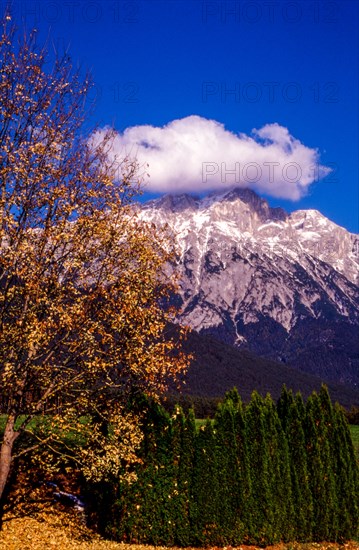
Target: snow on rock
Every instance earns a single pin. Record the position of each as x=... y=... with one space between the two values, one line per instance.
x=242 y=260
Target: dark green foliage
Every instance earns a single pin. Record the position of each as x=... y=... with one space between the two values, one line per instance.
x=260 y=505
x=244 y=465
x=232 y=464
x=204 y=407
x=279 y=475
x=147 y=506
x=258 y=474
x=322 y=484
x=184 y=430
x=293 y=415
x=206 y=488
x=346 y=477
x=271 y=509
x=353 y=415
x=283 y=406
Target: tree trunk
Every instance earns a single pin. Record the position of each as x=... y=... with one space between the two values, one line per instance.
x=10 y=436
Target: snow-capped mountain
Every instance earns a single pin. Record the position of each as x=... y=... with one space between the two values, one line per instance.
x=283 y=285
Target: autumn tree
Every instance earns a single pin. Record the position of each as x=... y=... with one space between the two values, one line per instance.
x=82 y=280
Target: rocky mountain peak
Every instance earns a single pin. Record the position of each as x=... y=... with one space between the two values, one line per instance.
x=256 y=204
x=255 y=276
x=235 y=202
x=248 y=196
x=174 y=203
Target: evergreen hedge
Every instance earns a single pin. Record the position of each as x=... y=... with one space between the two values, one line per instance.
x=257 y=474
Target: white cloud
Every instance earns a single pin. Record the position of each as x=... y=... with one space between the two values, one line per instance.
x=195 y=154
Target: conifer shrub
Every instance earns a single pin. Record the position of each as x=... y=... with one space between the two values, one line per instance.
x=291 y=411
x=232 y=464
x=325 y=505
x=259 y=474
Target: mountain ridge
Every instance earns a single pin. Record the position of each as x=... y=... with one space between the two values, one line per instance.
x=258 y=278
x=300 y=222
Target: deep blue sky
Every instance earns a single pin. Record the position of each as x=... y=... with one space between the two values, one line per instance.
x=294 y=63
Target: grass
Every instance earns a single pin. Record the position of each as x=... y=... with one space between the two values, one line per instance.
x=32 y=424
x=65 y=438
x=73 y=438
